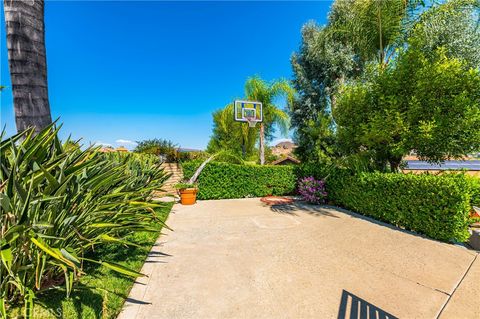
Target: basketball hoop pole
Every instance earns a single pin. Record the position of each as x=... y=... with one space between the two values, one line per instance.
x=262 y=144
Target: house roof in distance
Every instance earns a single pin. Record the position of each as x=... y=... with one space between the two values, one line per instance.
x=286 y=159
x=121 y=149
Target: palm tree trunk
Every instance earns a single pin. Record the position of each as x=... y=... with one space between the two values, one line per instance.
x=382 y=53
x=27 y=61
x=262 y=144
x=244 y=149
x=194 y=177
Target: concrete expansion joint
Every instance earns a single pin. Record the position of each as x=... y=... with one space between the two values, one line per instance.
x=458 y=285
x=436 y=289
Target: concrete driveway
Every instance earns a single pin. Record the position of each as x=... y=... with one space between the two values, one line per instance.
x=243 y=259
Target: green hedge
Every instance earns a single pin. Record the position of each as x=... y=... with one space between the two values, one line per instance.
x=317 y=170
x=434 y=205
x=475 y=182
x=437 y=206
x=223 y=180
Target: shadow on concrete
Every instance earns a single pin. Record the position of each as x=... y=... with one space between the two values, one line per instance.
x=138 y=302
x=155 y=262
x=293 y=208
x=139 y=283
x=381 y=223
x=158 y=253
x=323 y=210
x=354 y=307
x=154 y=257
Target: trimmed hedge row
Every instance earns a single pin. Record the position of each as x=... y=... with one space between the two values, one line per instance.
x=475 y=181
x=222 y=180
x=435 y=205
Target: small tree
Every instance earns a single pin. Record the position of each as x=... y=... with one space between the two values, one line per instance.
x=160 y=147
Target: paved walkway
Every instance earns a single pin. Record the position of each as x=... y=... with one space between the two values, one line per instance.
x=242 y=259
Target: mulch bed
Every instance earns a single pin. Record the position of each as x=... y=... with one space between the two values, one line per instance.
x=276 y=200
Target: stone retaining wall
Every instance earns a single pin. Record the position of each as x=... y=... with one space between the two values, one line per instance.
x=177 y=176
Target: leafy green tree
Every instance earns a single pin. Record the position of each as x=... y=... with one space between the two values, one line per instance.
x=358 y=32
x=368 y=38
x=429 y=104
x=320 y=67
x=455 y=26
x=157 y=146
x=426 y=101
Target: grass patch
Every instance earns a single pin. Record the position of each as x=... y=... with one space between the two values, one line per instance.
x=102 y=292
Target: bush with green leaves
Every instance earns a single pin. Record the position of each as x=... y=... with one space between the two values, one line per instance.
x=185 y=185
x=434 y=205
x=223 y=180
x=160 y=147
x=475 y=182
x=57 y=204
x=317 y=170
x=192 y=155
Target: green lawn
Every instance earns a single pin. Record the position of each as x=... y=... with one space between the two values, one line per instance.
x=101 y=293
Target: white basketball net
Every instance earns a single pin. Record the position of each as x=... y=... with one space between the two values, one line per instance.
x=252 y=121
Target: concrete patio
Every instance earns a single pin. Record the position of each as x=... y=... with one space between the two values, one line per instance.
x=243 y=259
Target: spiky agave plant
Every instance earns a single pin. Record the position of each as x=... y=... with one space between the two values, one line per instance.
x=57 y=203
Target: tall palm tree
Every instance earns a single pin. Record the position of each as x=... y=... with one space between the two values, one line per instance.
x=259 y=90
x=25 y=28
x=373 y=27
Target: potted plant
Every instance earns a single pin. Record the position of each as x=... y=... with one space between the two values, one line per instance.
x=188 y=193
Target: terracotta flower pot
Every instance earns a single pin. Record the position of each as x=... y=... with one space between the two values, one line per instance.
x=188 y=196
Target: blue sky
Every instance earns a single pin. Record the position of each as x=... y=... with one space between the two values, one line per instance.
x=136 y=70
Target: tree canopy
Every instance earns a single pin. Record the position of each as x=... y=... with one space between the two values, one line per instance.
x=385 y=78
x=157 y=146
x=429 y=105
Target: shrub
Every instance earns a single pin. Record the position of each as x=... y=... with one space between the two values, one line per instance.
x=163 y=148
x=223 y=180
x=475 y=182
x=185 y=185
x=312 y=169
x=142 y=170
x=192 y=155
x=58 y=203
x=312 y=190
x=437 y=206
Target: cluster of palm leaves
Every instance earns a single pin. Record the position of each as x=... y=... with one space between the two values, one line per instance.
x=239 y=138
x=58 y=203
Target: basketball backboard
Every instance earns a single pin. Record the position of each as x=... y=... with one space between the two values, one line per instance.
x=248 y=111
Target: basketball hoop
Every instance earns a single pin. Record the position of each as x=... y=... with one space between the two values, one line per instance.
x=252 y=122
x=248 y=111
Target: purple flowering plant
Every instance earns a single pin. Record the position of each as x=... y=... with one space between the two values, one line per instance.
x=312 y=190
